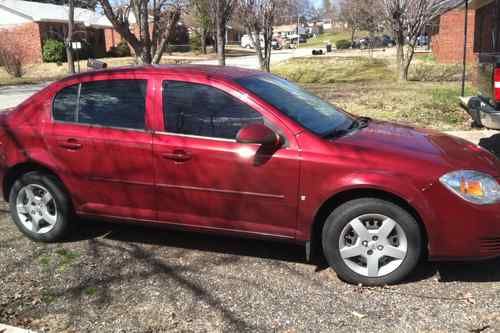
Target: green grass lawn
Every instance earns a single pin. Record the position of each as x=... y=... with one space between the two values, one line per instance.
x=368 y=87
x=331 y=37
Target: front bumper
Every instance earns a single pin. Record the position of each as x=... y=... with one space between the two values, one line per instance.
x=462 y=230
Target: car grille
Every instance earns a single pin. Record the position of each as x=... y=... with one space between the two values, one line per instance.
x=490 y=246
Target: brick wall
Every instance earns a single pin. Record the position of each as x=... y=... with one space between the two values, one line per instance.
x=448 y=42
x=24 y=40
x=111 y=37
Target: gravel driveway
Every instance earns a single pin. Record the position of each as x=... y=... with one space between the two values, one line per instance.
x=122 y=278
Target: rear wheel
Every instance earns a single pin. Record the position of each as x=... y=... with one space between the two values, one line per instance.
x=372 y=242
x=40 y=207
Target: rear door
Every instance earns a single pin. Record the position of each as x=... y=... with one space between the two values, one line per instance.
x=103 y=146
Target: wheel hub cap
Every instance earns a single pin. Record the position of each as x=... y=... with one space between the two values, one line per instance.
x=36 y=208
x=373 y=245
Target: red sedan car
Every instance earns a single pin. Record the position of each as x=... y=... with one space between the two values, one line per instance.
x=237 y=151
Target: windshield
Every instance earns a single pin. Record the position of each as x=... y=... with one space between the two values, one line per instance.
x=308 y=110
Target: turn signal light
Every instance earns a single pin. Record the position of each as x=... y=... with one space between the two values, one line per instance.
x=471 y=187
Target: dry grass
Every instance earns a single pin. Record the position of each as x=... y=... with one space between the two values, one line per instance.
x=51 y=71
x=368 y=87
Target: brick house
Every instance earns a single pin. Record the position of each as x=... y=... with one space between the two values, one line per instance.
x=448 y=31
x=26 y=25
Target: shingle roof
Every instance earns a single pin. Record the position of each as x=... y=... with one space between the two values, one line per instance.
x=40 y=12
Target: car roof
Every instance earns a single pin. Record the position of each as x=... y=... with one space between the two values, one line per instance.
x=223 y=72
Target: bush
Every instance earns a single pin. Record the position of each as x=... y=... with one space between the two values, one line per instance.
x=195 y=42
x=343 y=44
x=11 y=62
x=54 y=51
x=120 y=50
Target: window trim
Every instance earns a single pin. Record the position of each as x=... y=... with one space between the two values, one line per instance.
x=146 y=129
x=194 y=136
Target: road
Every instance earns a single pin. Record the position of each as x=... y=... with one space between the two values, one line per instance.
x=13 y=95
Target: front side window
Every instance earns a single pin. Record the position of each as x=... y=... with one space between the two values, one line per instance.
x=112 y=103
x=201 y=110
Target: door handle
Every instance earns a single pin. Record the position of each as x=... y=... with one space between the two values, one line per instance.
x=70 y=144
x=177 y=155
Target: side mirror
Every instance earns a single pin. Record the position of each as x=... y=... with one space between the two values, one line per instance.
x=258 y=134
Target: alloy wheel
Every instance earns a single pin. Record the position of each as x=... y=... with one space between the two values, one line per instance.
x=373 y=245
x=36 y=208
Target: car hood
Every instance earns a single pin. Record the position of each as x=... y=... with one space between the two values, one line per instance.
x=434 y=149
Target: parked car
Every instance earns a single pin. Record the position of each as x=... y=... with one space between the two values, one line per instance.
x=374 y=42
x=236 y=151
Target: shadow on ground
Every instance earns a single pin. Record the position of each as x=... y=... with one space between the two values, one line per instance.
x=478 y=271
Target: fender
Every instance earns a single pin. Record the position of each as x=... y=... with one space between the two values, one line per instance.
x=398 y=185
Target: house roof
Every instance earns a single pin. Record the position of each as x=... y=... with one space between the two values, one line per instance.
x=476 y=4
x=44 y=12
x=473 y=4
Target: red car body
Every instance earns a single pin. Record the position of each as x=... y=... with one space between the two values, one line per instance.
x=220 y=185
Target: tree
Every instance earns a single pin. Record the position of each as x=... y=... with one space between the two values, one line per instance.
x=69 y=36
x=352 y=13
x=361 y=15
x=407 y=20
x=258 y=19
x=223 y=12
x=204 y=21
x=156 y=22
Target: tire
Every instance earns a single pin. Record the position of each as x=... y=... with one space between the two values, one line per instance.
x=377 y=216
x=58 y=208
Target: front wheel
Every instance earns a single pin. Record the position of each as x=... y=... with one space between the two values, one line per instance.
x=40 y=207
x=371 y=242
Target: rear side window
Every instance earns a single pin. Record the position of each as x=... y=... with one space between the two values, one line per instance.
x=112 y=103
x=65 y=104
x=201 y=110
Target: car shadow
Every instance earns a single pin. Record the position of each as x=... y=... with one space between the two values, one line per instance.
x=492 y=144
x=477 y=271
x=206 y=242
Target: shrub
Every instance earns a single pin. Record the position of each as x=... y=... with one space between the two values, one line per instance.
x=343 y=44
x=120 y=50
x=54 y=51
x=195 y=42
x=11 y=61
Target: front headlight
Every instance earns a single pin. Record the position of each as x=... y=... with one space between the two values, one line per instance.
x=473 y=186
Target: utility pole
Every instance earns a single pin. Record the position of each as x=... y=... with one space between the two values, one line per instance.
x=69 y=37
x=466 y=30
x=298 y=31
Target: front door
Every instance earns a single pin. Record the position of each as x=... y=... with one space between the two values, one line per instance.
x=205 y=179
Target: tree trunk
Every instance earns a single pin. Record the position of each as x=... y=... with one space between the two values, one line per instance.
x=220 y=33
x=203 y=40
x=353 y=33
x=69 y=37
x=400 y=53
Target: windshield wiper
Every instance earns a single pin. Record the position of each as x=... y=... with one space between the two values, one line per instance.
x=362 y=122
x=358 y=123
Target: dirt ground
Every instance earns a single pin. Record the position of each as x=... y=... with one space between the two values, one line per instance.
x=122 y=278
